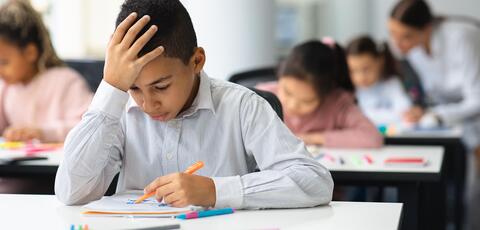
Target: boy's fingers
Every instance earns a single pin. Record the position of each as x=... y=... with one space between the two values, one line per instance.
x=157 y=183
x=150 y=55
x=171 y=198
x=122 y=28
x=142 y=40
x=134 y=30
x=164 y=191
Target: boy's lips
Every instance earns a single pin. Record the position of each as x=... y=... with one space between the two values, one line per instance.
x=161 y=117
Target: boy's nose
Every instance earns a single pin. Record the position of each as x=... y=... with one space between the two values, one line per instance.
x=149 y=106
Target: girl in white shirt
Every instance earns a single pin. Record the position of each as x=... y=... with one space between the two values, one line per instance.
x=379 y=91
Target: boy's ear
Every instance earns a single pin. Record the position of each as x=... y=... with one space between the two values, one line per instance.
x=30 y=52
x=198 y=59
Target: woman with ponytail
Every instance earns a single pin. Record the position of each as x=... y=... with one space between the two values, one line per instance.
x=40 y=98
x=316 y=93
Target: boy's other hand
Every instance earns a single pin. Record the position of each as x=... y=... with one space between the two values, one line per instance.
x=21 y=134
x=122 y=64
x=182 y=189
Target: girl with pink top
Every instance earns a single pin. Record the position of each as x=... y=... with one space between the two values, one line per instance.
x=316 y=93
x=40 y=98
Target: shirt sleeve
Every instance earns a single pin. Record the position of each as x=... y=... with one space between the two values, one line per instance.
x=354 y=130
x=464 y=66
x=93 y=149
x=288 y=176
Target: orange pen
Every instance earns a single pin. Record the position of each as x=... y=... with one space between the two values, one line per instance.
x=190 y=170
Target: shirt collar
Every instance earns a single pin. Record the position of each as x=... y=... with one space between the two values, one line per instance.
x=203 y=99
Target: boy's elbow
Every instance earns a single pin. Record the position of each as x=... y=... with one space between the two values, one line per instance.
x=64 y=196
x=65 y=193
x=324 y=192
x=327 y=195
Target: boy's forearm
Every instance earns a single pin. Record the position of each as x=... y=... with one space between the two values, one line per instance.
x=89 y=165
x=93 y=149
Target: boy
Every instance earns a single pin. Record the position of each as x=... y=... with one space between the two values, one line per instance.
x=175 y=116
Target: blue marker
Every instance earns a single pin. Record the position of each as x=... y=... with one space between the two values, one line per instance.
x=205 y=213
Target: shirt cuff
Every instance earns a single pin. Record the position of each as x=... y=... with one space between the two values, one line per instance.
x=229 y=192
x=109 y=99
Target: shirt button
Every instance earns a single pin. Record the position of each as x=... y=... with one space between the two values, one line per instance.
x=169 y=156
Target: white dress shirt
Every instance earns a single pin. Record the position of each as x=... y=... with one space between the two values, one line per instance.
x=450 y=75
x=384 y=102
x=230 y=128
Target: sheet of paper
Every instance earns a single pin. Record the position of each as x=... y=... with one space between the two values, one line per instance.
x=124 y=204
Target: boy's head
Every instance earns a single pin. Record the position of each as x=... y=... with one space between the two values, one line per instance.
x=167 y=85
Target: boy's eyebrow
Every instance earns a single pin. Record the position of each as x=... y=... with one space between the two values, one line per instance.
x=154 y=82
x=160 y=80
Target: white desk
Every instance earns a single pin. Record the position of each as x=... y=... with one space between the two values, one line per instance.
x=433 y=154
x=454 y=132
x=454 y=160
x=45 y=212
x=413 y=183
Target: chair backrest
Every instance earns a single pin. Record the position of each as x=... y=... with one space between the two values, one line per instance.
x=253 y=77
x=272 y=100
x=91 y=70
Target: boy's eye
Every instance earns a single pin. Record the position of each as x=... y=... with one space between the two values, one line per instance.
x=134 y=88
x=161 y=87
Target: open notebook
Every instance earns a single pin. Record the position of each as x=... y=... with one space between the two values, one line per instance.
x=123 y=204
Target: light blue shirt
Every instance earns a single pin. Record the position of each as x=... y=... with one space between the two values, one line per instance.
x=384 y=102
x=230 y=128
x=450 y=75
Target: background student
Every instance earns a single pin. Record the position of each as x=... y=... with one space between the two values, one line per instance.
x=40 y=98
x=378 y=89
x=316 y=92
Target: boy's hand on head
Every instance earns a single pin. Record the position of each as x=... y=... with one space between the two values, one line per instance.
x=122 y=64
x=182 y=189
x=21 y=134
x=414 y=114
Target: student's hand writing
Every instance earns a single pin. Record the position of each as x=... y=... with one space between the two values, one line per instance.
x=122 y=64
x=21 y=134
x=182 y=189
x=312 y=138
x=414 y=114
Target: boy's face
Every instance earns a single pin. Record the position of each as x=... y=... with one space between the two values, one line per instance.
x=166 y=86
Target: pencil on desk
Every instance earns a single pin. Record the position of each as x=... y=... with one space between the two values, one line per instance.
x=190 y=170
x=368 y=158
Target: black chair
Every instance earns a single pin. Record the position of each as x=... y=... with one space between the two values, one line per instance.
x=253 y=77
x=91 y=70
x=272 y=100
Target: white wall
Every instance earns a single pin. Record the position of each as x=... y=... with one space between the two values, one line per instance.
x=237 y=35
x=81 y=28
x=382 y=10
